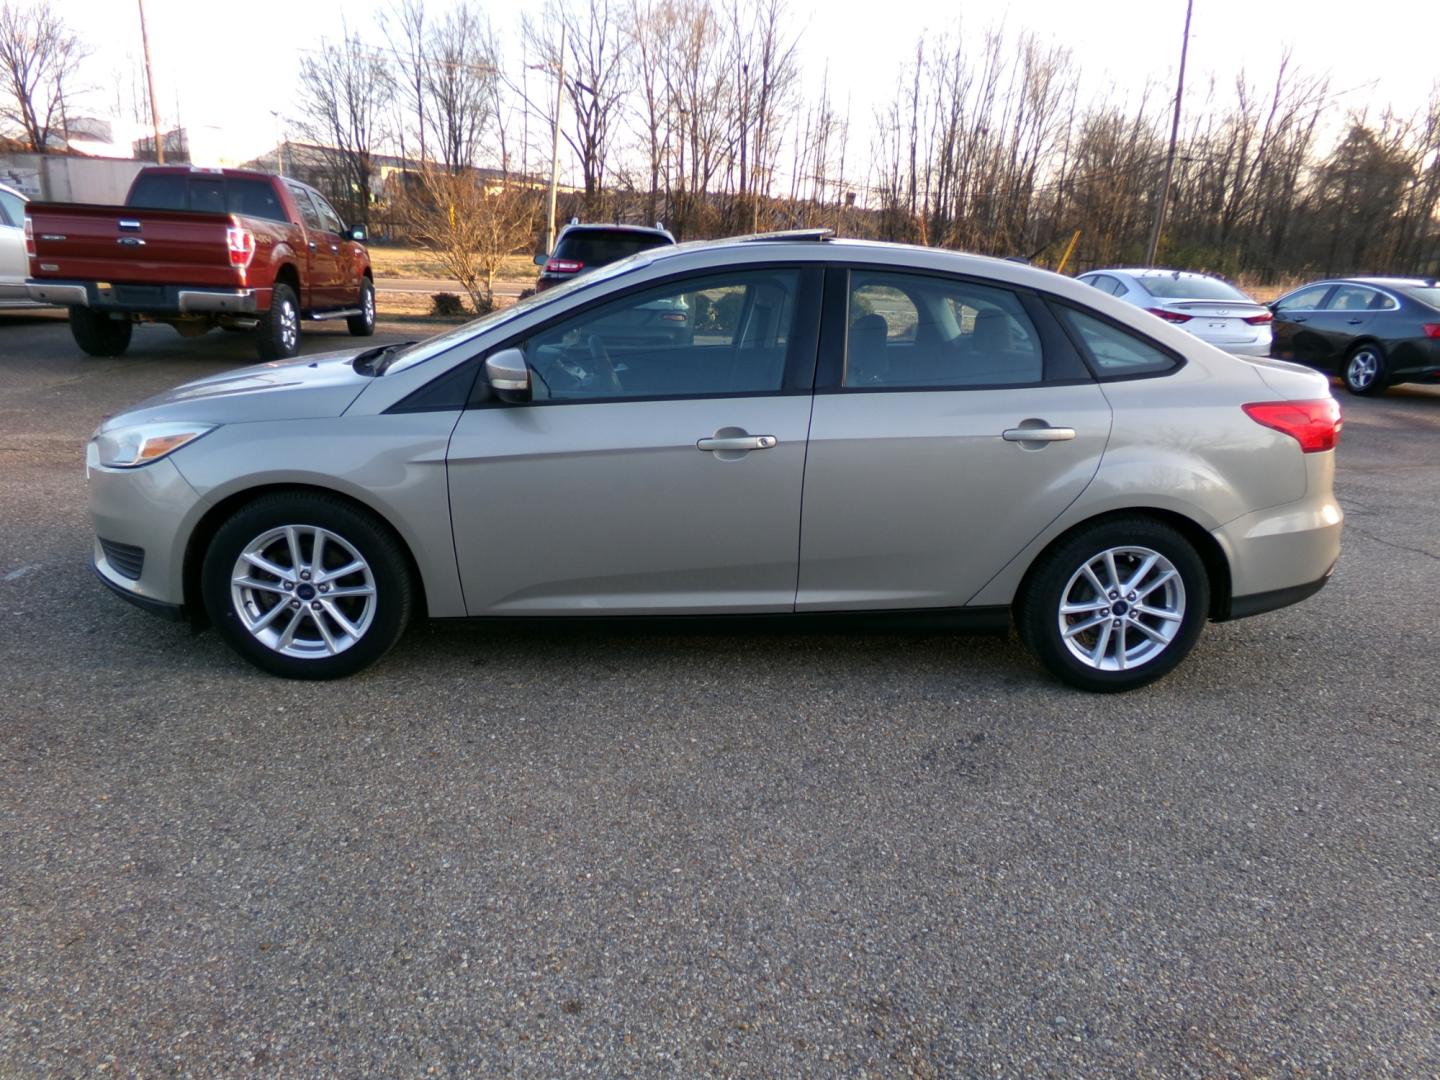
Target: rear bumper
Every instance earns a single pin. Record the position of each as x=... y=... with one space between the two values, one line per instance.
x=149 y=299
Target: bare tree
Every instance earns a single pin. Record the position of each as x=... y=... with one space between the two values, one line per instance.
x=404 y=25
x=39 y=58
x=345 y=91
x=471 y=228
x=460 y=84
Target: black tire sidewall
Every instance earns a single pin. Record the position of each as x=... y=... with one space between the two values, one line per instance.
x=379 y=548
x=99 y=335
x=1380 y=382
x=1037 y=615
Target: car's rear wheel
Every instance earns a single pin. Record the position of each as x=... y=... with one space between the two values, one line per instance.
x=363 y=325
x=1364 y=371
x=277 y=336
x=307 y=586
x=1116 y=604
x=98 y=334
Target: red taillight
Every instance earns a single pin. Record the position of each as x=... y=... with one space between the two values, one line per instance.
x=1432 y=329
x=1315 y=424
x=241 y=242
x=1169 y=316
x=1261 y=319
x=563 y=266
x=29 y=236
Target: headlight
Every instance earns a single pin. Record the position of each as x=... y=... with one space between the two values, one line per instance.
x=129 y=447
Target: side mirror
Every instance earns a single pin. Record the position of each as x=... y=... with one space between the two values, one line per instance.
x=357 y=233
x=541 y=259
x=508 y=375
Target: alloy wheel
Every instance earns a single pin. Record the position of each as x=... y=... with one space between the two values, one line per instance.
x=1122 y=608
x=303 y=591
x=1363 y=369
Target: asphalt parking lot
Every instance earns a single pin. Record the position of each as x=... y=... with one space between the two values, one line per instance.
x=561 y=852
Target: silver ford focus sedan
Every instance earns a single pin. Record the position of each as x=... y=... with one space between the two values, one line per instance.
x=844 y=429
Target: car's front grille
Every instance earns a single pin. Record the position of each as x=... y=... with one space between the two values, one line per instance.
x=127 y=559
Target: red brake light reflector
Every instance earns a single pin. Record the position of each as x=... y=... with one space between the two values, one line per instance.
x=1432 y=329
x=1261 y=319
x=241 y=242
x=1314 y=424
x=1169 y=316
x=563 y=266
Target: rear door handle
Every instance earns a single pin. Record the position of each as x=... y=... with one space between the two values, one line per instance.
x=1354 y=322
x=334 y=247
x=313 y=245
x=1039 y=434
x=737 y=442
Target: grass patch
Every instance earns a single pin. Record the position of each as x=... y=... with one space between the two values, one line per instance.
x=393 y=260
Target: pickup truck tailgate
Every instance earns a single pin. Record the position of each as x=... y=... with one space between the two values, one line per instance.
x=143 y=247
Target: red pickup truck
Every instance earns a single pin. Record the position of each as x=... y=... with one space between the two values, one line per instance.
x=200 y=248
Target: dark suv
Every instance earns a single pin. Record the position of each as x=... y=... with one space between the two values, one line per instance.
x=584 y=247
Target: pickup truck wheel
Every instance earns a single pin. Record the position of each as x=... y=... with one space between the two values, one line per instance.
x=99 y=335
x=278 y=334
x=363 y=325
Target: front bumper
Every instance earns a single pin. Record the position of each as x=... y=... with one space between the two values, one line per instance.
x=150 y=509
x=149 y=299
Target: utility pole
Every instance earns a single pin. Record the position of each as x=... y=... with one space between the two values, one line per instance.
x=555 y=144
x=1174 y=137
x=150 y=82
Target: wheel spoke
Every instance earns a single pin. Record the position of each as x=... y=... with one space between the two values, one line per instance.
x=252 y=583
x=1081 y=627
x=317 y=564
x=1163 y=579
x=1094 y=581
x=288 y=636
x=350 y=590
x=269 y=617
x=335 y=613
x=1159 y=613
x=292 y=540
x=1120 y=648
x=1150 y=632
x=1114 y=582
x=259 y=561
x=343 y=572
x=1084 y=608
x=1097 y=654
x=1139 y=575
x=318 y=618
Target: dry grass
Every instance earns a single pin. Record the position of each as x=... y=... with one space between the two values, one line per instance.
x=390 y=305
x=391 y=261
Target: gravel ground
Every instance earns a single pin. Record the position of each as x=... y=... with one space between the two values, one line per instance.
x=564 y=852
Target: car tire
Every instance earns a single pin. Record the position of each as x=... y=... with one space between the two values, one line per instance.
x=286 y=616
x=277 y=336
x=98 y=334
x=1071 y=628
x=363 y=325
x=1364 y=371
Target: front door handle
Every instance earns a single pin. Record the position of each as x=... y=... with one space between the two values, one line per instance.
x=737 y=442
x=1039 y=434
x=1354 y=322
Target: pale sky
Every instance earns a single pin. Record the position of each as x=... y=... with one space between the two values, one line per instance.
x=234 y=79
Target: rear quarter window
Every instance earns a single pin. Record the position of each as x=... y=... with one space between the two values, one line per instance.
x=1115 y=353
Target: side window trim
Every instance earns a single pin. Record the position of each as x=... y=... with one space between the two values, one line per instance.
x=797 y=379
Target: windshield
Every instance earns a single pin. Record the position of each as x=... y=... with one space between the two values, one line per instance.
x=1191 y=287
x=431 y=347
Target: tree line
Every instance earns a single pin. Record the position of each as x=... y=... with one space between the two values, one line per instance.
x=694 y=112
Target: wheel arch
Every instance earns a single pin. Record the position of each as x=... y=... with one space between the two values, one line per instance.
x=1212 y=555
x=210 y=522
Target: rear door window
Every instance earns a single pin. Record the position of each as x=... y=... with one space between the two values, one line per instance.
x=308 y=213
x=1352 y=298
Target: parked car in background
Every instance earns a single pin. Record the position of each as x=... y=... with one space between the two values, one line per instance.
x=14 y=267
x=971 y=442
x=1373 y=332
x=1211 y=309
x=197 y=249
x=582 y=248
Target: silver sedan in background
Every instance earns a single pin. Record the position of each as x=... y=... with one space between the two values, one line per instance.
x=1211 y=309
x=964 y=439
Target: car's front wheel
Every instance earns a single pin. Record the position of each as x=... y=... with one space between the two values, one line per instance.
x=1364 y=371
x=307 y=585
x=1115 y=605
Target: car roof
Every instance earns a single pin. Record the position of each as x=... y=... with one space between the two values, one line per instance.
x=1140 y=272
x=601 y=227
